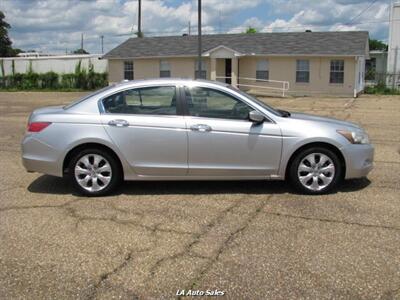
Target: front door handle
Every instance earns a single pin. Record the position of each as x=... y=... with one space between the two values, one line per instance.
x=201 y=128
x=118 y=123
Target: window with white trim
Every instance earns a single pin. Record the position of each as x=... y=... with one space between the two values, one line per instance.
x=337 y=71
x=302 y=70
x=203 y=74
x=165 y=69
x=262 y=70
x=128 y=70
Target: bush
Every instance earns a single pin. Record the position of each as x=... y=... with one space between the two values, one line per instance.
x=51 y=80
x=381 y=89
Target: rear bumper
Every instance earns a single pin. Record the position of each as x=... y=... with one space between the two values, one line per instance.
x=359 y=160
x=40 y=157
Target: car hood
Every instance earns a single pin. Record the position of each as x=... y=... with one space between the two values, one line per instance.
x=325 y=120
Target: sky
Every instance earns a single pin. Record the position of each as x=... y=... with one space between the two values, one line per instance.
x=55 y=26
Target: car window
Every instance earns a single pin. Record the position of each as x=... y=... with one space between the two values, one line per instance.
x=210 y=103
x=143 y=101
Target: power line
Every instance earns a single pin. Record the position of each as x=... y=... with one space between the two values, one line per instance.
x=363 y=11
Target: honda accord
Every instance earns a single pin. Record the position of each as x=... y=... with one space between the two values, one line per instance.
x=177 y=129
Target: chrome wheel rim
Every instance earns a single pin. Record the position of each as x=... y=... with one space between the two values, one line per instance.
x=316 y=171
x=93 y=172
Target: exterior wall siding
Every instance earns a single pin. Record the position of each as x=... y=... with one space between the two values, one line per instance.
x=150 y=68
x=280 y=68
x=284 y=69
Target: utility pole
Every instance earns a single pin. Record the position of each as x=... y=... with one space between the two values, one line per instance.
x=102 y=43
x=199 y=37
x=189 y=28
x=140 y=19
x=82 y=40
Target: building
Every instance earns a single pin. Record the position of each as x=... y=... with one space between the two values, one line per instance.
x=311 y=62
x=60 y=64
x=375 y=67
x=393 y=61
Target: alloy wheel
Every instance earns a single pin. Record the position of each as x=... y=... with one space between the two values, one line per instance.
x=316 y=171
x=93 y=172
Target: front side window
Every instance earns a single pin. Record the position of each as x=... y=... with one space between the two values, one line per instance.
x=262 y=71
x=302 y=70
x=128 y=70
x=209 y=103
x=143 y=101
x=203 y=73
x=165 y=70
x=337 y=71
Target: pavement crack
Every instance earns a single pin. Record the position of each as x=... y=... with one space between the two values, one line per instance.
x=251 y=217
x=103 y=277
x=332 y=221
x=62 y=206
x=197 y=238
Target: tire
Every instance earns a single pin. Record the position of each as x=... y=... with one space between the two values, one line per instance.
x=315 y=171
x=94 y=172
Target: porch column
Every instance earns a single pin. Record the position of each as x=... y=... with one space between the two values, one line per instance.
x=234 y=74
x=213 y=68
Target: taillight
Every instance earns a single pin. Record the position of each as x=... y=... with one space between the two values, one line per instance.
x=37 y=126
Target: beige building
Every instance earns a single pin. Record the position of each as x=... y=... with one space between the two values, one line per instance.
x=303 y=63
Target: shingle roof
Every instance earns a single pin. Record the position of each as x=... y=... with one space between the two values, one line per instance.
x=277 y=43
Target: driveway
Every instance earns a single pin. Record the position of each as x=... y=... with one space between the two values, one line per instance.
x=247 y=240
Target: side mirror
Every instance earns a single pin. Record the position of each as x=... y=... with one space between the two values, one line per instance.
x=256 y=117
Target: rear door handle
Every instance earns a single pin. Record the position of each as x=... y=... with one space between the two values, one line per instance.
x=201 y=128
x=118 y=123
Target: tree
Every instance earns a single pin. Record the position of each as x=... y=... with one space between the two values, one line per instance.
x=80 y=51
x=6 y=49
x=377 y=45
x=251 y=30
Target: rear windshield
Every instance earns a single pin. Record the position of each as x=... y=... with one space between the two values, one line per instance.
x=88 y=96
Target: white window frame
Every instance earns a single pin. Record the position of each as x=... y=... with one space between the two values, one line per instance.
x=203 y=68
x=165 y=68
x=335 y=68
x=302 y=68
x=131 y=70
x=262 y=69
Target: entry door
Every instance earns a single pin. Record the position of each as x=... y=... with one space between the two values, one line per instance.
x=145 y=126
x=223 y=142
x=228 y=70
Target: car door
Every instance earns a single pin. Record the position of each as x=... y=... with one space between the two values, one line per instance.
x=223 y=142
x=145 y=125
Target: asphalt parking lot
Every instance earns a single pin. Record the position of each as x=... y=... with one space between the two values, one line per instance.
x=250 y=240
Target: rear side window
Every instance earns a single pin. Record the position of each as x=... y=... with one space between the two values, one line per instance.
x=210 y=103
x=143 y=101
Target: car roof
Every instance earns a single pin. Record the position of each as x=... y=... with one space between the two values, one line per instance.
x=127 y=83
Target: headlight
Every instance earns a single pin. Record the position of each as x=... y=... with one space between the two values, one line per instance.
x=355 y=137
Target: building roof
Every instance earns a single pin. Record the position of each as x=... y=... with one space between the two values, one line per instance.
x=346 y=43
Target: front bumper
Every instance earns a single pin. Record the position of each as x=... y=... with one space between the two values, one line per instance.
x=359 y=160
x=40 y=157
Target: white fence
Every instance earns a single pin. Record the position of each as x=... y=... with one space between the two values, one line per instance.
x=58 y=64
x=256 y=85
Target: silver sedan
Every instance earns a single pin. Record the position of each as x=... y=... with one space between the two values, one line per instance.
x=175 y=129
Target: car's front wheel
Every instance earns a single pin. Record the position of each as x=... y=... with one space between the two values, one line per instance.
x=315 y=170
x=94 y=172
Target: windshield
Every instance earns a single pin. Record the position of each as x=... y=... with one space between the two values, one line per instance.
x=88 y=96
x=259 y=102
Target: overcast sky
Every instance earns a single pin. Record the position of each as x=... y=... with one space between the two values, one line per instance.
x=56 y=25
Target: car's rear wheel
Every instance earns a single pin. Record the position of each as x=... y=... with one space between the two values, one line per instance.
x=315 y=170
x=94 y=172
